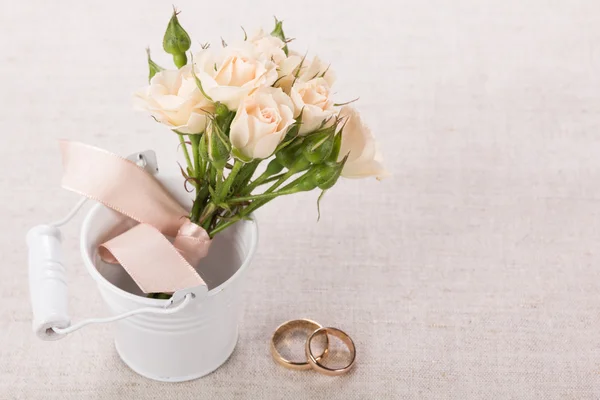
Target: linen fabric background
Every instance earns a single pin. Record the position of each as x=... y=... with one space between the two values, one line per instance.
x=472 y=273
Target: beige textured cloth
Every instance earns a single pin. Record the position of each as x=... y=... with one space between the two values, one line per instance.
x=472 y=273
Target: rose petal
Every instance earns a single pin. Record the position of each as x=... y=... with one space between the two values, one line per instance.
x=365 y=170
x=267 y=145
x=170 y=79
x=364 y=158
x=195 y=124
x=242 y=72
x=231 y=96
x=239 y=133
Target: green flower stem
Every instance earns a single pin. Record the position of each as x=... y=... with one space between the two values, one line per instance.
x=245 y=175
x=257 y=201
x=280 y=181
x=224 y=225
x=201 y=196
x=218 y=181
x=263 y=196
x=273 y=178
x=188 y=160
x=287 y=188
x=222 y=191
x=230 y=179
x=257 y=182
x=206 y=217
x=195 y=139
x=212 y=175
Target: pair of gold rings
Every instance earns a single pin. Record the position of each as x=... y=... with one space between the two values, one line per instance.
x=312 y=361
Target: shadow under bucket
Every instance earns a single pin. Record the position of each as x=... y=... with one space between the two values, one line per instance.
x=194 y=341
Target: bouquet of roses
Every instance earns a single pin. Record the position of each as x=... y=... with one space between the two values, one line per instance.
x=243 y=104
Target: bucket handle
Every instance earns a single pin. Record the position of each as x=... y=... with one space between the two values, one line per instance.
x=145 y=310
x=48 y=282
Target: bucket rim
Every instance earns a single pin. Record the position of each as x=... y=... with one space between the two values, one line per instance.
x=100 y=279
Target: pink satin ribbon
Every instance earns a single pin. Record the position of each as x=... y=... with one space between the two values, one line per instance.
x=143 y=249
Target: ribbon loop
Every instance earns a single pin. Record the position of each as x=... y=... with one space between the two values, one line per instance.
x=145 y=253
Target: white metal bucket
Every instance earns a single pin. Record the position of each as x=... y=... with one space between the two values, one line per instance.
x=184 y=345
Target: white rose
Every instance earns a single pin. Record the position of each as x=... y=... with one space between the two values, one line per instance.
x=261 y=122
x=313 y=99
x=364 y=159
x=269 y=47
x=308 y=70
x=229 y=74
x=173 y=98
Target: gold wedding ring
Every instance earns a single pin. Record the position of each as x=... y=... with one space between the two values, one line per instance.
x=314 y=361
x=281 y=330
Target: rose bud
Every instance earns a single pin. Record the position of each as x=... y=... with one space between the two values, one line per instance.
x=221 y=110
x=328 y=173
x=358 y=142
x=203 y=148
x=318 y=146
x=176 y=41
x=274 y=167
x=292 y=156
x=260 y=123
x=217 y=147
x=306 y=182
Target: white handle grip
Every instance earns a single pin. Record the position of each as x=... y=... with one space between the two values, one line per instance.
x=47 y=282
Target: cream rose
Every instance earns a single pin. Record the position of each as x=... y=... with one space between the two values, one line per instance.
x=173 y=98
x=229 y=74
x=261 y=122
x=305 y=70
x=269 y=47
x=364 y=159
x=312 y=99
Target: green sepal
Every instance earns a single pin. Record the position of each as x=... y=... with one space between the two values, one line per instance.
x=345 y=103
x=278 y=33
x=337 y=145
x=220 y=128
x=299 y=69
x=203 y=148
x=224 y=206
x=240 y=156
x=153 y=68
x=198 y=82
x=324 y=72
x=319 y=205
x=212 y=192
